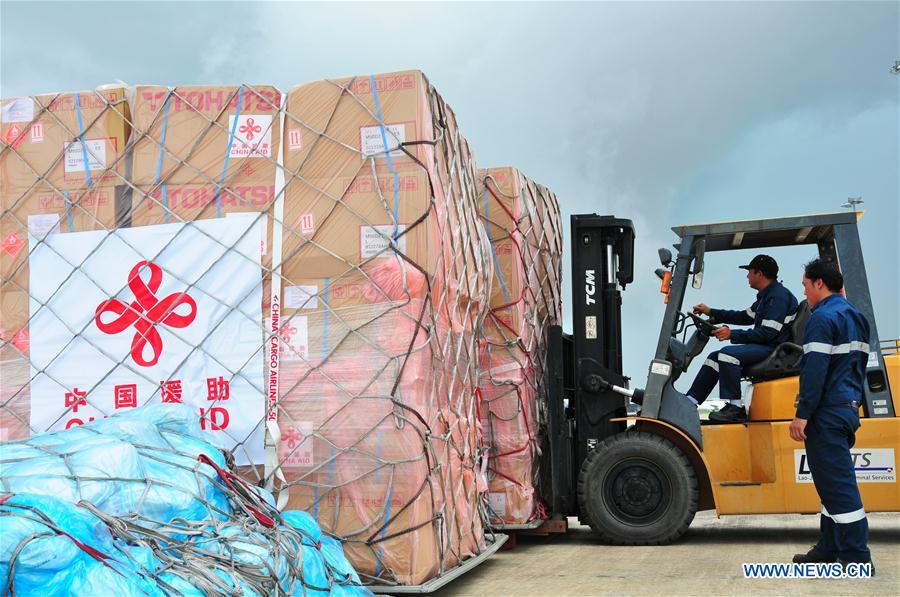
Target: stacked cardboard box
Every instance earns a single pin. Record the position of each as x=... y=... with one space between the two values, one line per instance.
x=523 y=224
x=386 y=285
x=61 y=168
x=386 y=266
x=204 y=152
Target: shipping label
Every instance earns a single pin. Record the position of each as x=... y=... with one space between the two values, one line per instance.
x=40 y=225
x=497 y=503
x=872 y=465
x=371 y=142
x=20 y=109
x=304 y=296
x=252 y=136
x=75 y=153
x=374 y=240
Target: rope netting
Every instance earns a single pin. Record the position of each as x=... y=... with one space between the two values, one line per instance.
x=377 y=412
x=523 y=224
x=141 y=504
x=309 y=273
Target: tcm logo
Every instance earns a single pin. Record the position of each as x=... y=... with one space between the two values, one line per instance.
x=590 y=287
x=872 y=465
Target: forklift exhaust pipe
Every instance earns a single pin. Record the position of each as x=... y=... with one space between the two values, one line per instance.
x=595 y=383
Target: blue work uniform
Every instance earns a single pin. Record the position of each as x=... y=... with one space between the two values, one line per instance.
x=774 y=309
x=832 y=374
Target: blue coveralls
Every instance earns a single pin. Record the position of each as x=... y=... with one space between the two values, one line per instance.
x=835 y=352
x=774 y=309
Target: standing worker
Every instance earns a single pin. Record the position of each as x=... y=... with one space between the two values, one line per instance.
x=832 y=374
x=774 y=309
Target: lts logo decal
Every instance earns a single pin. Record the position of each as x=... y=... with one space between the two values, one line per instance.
x=872 y=465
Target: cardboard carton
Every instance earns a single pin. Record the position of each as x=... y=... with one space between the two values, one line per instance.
x=36 y=213
x=369 y=177
x=195 y=135
x=69 y=141
x=43 y=211
x=522 y=221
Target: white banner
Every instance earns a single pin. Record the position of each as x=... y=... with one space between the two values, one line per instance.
x=168 y=313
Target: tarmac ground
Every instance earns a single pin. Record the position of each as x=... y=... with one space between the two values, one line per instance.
x=706 y=561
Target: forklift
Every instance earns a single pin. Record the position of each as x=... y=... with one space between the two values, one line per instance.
x=636 y=465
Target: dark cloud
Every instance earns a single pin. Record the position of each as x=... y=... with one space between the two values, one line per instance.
x=663 y=112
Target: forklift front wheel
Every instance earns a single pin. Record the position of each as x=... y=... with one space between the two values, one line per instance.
x=637 y=488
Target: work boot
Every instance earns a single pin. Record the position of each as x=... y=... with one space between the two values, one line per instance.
x=814 y=556
x=729 y=414
x=871 y=564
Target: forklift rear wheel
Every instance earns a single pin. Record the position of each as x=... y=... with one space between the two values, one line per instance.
x=637 y=488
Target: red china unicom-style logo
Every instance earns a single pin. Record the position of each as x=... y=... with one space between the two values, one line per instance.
x=249 y=129
x=145 y=313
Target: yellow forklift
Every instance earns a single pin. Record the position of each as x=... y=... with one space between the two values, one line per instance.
x=639 y=477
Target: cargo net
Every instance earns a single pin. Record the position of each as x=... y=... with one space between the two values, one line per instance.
x=329 y=344
x=141 y=504
x=523 y=224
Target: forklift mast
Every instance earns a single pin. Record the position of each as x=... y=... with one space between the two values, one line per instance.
x=579 y=408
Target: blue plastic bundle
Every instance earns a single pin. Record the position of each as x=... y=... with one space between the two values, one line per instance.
x=144 y=504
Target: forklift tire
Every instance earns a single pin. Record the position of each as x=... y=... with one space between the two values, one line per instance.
x=637 y=488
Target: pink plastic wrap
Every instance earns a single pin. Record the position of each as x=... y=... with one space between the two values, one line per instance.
x=380 y=437
x=522 y=221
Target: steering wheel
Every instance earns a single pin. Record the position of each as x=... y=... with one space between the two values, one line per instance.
x=703 y=326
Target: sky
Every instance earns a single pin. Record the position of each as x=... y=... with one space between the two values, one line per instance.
x=665 y=113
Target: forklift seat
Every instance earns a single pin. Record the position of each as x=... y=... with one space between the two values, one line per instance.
x=785 y=359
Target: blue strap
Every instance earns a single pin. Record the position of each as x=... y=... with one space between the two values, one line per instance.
x=493 y=248
x=84 y=154
x=387 y=521
x=237 y=115
x=69 y=211
x=165 y=199
x=325 y=318
x=162 y=152
x=315 y=511
x=390 y=163
x=500 y=274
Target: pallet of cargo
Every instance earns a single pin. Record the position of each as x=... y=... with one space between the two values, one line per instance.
x=439 y=581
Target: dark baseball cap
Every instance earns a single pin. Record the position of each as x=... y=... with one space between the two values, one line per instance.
x=764 y=264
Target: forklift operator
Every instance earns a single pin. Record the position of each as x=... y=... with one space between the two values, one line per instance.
x=774 y=309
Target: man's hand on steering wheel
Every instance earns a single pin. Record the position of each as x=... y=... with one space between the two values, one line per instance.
x=701 y=308
x=703 y=326
x=722 y=333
